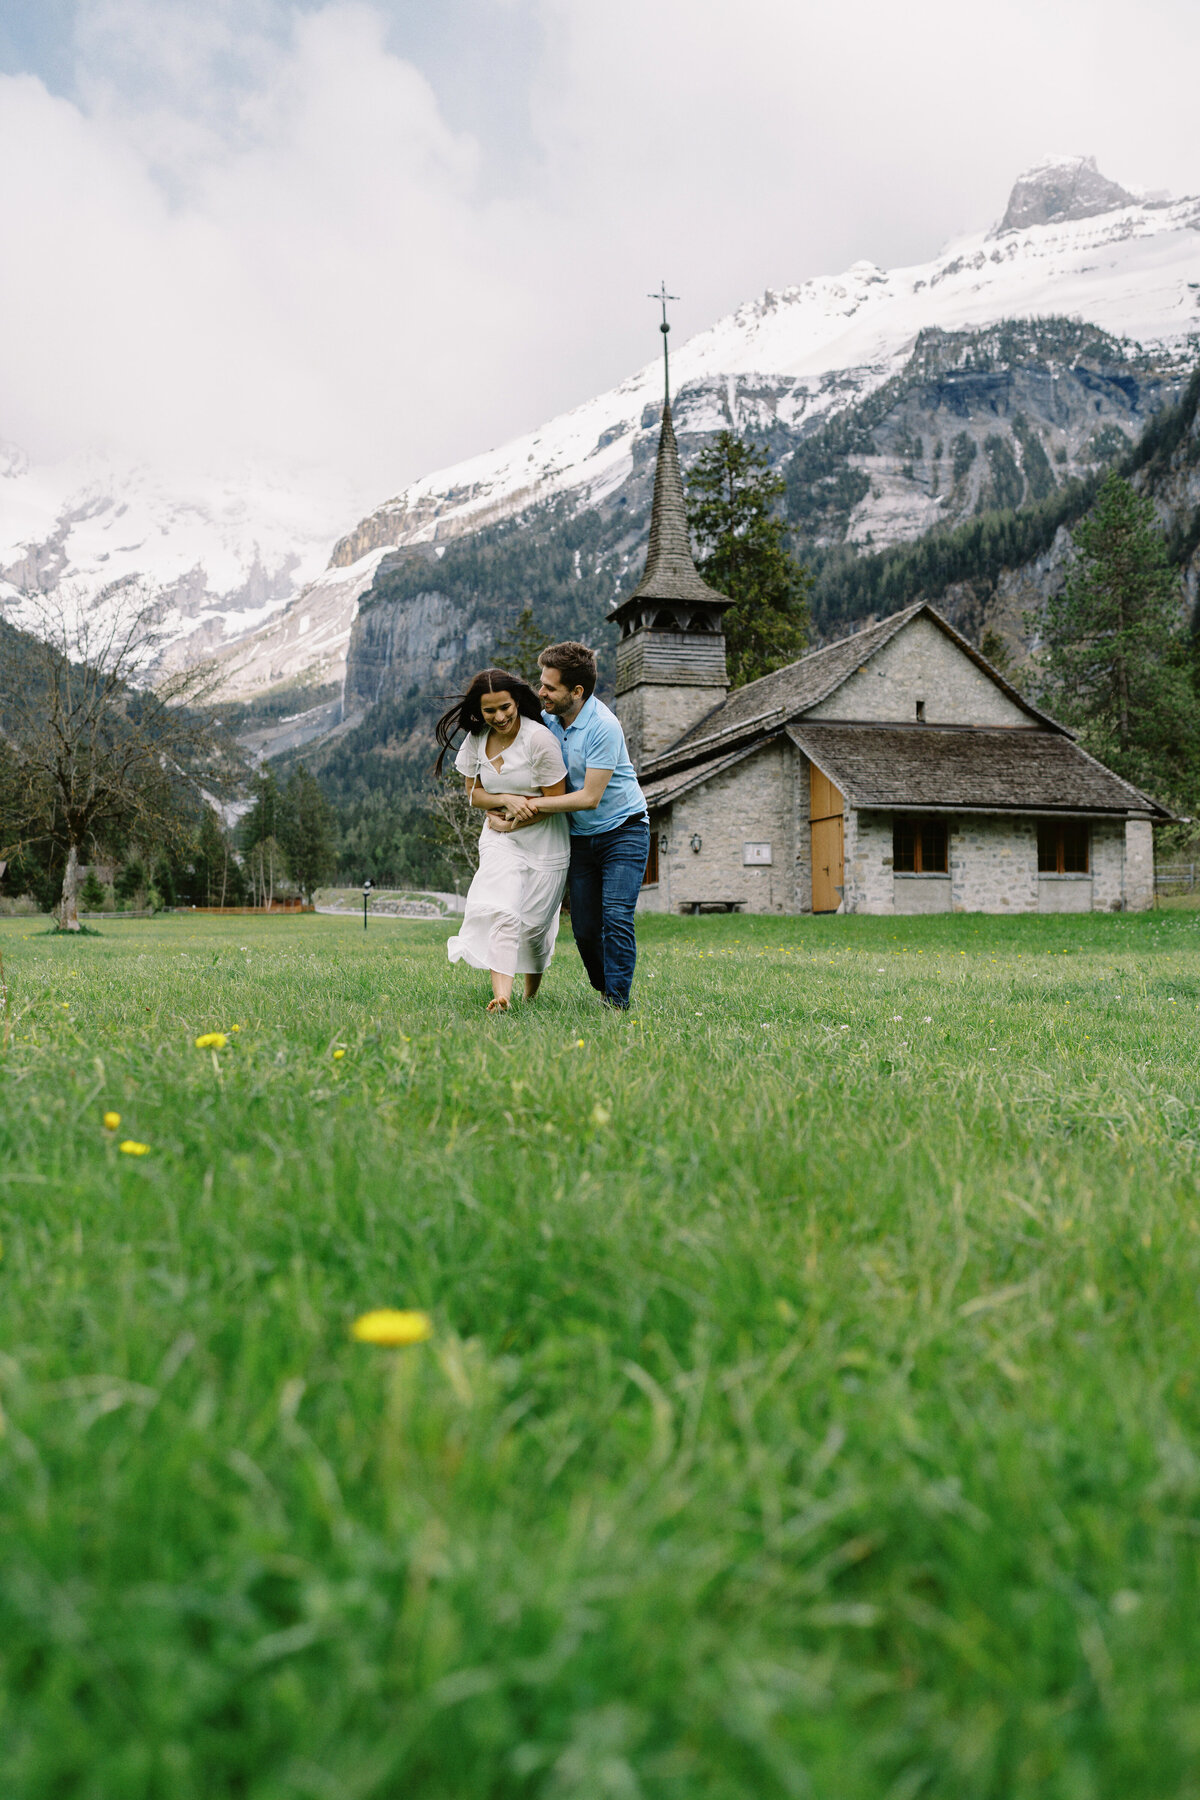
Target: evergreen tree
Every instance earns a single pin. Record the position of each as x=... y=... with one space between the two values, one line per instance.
x=1115 y=653
x=266 y=810
x=732 y=511
x=306 y=831
x=132 y=880
x=92 y=892
x=518 y=648
x=997 y=652
x=164 y=882
x=211 y=861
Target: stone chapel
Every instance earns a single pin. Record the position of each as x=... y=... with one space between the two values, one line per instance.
x=893 y=772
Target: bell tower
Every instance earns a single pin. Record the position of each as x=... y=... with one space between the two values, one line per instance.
x=671 y=651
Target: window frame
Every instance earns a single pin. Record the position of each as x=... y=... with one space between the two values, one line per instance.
x=918 y=827
x=1054 y=852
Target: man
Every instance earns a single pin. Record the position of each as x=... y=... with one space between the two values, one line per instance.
x=610 y=830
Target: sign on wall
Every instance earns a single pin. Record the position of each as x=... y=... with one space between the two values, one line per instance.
x=755 y=855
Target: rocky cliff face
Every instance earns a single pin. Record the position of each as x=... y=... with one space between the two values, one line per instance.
x=977 y=421
x=1005 y=596
x=421 y=644
x=1062 y=188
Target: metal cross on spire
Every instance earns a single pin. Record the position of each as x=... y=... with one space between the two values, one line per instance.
x=662 y=297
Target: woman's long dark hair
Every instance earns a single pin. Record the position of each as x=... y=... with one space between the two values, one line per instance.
x=465 y=714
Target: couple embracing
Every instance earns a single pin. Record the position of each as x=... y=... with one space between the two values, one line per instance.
x=562 y=806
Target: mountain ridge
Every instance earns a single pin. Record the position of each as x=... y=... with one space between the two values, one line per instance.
x=792 y=362
x=783 y=367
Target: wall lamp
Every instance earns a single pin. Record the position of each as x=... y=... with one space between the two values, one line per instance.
x=696 y=842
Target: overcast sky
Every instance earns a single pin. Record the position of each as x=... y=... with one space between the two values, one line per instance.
x=380 y=236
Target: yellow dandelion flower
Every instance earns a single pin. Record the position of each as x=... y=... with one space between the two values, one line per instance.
x=130 y=1148
x=390 y=1327
x=338 y=1055
x=579 y=1043
x=212 y=1040
x=235 y=1028
x=111 y=1121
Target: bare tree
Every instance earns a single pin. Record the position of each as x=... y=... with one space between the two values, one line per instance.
x=265 y=866
x=94 y=751
x=455 y=828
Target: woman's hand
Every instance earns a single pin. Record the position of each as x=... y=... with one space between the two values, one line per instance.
x=520 y=808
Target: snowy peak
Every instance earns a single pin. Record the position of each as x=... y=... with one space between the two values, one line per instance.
x=1059 y=189
x=1092 y=253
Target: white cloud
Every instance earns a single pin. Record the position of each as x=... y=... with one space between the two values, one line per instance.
x=289 y=287
x=252 y=232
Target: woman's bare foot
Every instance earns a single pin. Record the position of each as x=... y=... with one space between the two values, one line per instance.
x=532 y=984
x=502 y=987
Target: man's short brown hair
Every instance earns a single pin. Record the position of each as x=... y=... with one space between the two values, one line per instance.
x=575 y=663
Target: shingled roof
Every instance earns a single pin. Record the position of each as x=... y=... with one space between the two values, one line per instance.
x=682 y=781
x=765 y=704
x=671 y=573
x=944 y=768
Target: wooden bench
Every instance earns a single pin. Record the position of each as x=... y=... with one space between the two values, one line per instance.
x=696 y=907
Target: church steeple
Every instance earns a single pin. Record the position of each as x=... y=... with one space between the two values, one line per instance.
x=671 y=575
x=671 y=652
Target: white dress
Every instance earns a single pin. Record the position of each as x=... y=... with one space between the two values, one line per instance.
x=511 y=917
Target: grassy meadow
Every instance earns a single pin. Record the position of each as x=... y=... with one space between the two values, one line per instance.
x=813 y=1405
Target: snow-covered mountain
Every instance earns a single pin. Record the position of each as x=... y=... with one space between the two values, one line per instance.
x=1132 y=268
x=226 y=551
x=243 y=560
x=1072 y=244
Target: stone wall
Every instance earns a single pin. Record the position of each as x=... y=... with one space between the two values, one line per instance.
x=993 y=864
x=801 y=835
x=993 y=869
x=921 y=663
x=1108 y=866
x=868 y=841
x=749 y=803
x=1139 y=865
x=922 y=894
x=654 y=718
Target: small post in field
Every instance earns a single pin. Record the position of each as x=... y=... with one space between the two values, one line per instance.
x=368 y=884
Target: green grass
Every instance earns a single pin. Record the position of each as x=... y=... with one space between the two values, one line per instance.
x=812 y=1409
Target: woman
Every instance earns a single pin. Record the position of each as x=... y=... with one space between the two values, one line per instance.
x=511 y=918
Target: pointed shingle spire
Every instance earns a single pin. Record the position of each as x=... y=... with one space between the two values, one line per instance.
x=671 y=668
x=671 y=572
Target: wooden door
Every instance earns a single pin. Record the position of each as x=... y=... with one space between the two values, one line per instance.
x=826 y=826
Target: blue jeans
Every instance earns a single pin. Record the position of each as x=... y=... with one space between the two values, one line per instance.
x=607 y=870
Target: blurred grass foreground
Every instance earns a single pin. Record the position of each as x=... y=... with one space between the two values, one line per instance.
x=789 y=1389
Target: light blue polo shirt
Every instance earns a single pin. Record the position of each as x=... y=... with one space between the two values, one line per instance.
x=594 y=740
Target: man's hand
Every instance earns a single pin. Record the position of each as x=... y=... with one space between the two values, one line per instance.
x=521 y=809
x=497 y=822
